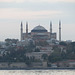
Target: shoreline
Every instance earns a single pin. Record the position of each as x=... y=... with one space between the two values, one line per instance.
x=37 y=68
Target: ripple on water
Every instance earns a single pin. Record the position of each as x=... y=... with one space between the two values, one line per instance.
x=37 y=72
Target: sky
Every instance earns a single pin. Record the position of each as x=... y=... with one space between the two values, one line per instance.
x=37 y=12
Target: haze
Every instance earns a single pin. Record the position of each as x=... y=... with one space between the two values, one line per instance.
x=36 y=12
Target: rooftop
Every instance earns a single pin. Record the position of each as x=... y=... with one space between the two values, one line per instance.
x=39 y=29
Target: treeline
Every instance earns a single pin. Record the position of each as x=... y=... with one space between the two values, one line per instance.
x=14 y=54
x=68 y=54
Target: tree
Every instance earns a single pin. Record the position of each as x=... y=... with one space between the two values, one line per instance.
x=56 y=48
x=56 y=55
x=73 y=47
x=63 y=55
x=54 y=58
x=14 y=40
x=28 y=61
x=45 y=56
x=0 y=46
x=10 y=41
x=63 y=43
x=37 y=50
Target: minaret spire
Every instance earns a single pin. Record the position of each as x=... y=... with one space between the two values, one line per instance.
x=59 y=31
x=21 y=31
x=26 y=29
x=50 y=29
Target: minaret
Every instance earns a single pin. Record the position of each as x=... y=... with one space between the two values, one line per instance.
x=21 y=31
x=59 y=31
x=26 y=29
x=50 y=29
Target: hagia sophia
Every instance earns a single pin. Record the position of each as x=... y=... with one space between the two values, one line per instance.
x=39 y=33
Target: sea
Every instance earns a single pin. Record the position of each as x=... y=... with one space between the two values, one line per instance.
x=37 y=72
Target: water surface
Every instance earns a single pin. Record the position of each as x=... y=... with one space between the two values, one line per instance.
x=37 y=72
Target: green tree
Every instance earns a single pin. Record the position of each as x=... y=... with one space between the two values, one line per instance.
x=37 y=50
x=56 y=55
x=63 y=55
x=45 y=56
x=63 y=43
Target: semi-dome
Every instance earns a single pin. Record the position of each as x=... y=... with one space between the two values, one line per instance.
x=39 y=29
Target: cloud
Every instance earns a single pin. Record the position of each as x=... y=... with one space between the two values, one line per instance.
x=51 y=0
x=14 y=13
x=18 y=1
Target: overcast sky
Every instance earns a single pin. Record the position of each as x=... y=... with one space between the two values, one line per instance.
x=36 y=12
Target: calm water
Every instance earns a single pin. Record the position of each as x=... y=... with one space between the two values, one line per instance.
x=37 y=72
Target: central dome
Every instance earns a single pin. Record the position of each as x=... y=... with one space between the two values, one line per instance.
x=39 y=29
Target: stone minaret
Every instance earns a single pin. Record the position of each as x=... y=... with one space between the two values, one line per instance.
x=21 y=31
x=59 y=31
x=26 y=29
x=50 y=30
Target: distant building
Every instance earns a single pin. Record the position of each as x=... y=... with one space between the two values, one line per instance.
x=37 y=55
x=38 y=33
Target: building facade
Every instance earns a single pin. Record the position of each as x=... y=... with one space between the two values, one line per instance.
x=38 y=33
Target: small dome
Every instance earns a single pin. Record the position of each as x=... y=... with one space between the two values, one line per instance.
x=39 y=29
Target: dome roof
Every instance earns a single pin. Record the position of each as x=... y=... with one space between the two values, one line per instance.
x=39 y=29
